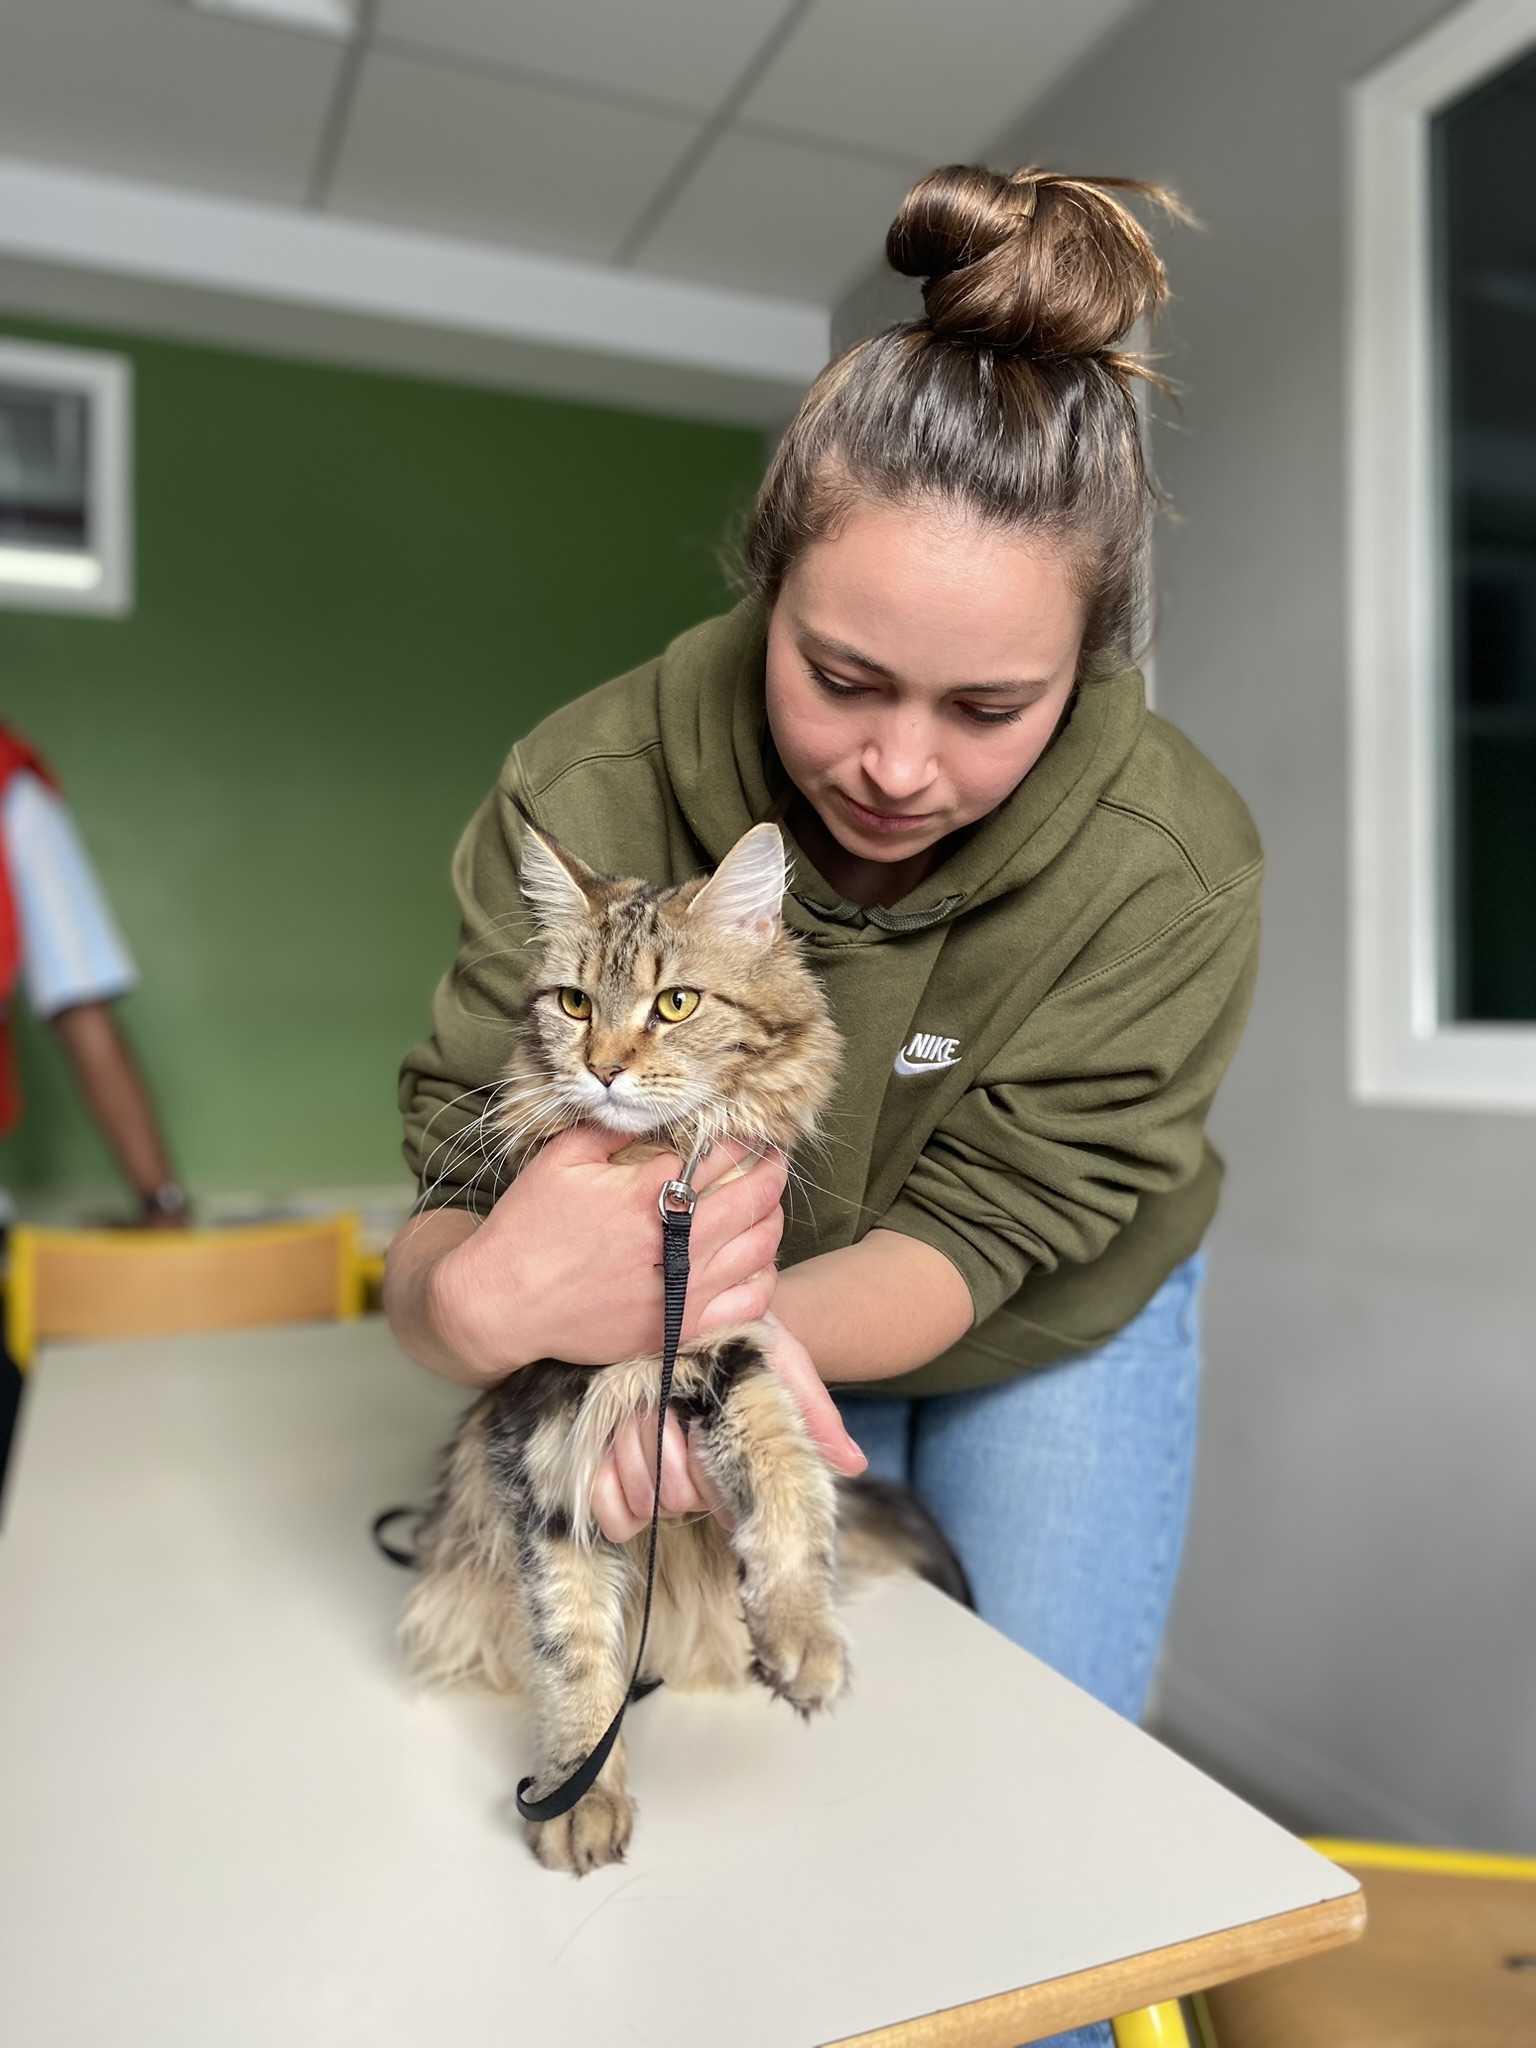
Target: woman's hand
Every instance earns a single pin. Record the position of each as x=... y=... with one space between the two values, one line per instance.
x=623 y=1490
x=568 y=1263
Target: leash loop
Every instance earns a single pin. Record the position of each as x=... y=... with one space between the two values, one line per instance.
x=676 y=1202
x=395 y=1552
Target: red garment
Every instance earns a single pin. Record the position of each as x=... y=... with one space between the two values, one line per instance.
x=15 y=755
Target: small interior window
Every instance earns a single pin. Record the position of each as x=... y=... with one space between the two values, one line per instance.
x=65 y=495
x=1484 y=180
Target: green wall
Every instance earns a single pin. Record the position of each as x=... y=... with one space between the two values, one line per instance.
x=354 y=592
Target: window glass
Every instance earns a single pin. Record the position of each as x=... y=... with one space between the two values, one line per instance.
x=44 y=499
x=1485 y=231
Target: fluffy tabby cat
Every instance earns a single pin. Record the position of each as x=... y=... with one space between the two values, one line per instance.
x=674 y=1015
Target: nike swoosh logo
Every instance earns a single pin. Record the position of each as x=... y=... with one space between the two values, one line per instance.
x=906 y=1066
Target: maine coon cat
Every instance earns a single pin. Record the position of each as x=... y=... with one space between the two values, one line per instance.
x=678 y=1016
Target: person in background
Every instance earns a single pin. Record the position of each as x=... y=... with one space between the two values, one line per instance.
x=59 y=942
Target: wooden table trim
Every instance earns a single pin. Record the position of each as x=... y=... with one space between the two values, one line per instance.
x=1159 y=1973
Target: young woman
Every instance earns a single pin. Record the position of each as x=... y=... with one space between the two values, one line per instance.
x=1034 y=908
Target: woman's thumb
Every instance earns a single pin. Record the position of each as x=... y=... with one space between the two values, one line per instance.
x=586 y=1145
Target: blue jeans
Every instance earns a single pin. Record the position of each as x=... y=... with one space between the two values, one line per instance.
x=1065 y=1492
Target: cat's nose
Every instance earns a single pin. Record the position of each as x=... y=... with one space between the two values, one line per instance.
x=607 y=1075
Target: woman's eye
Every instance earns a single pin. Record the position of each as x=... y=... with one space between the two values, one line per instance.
x=978 y=715
x=831 y=685
x=674 y=1004
x=575 y=1002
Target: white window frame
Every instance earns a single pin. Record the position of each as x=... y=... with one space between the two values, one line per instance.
x=98 y=578
x=1404 y=1049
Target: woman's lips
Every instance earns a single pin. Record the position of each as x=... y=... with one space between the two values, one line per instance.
x=883 y=821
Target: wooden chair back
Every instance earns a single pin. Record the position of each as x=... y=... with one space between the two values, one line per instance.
x=66 y=1284
x=1449 y=1954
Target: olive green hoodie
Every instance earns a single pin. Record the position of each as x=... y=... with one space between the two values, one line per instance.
x=1034 y=1034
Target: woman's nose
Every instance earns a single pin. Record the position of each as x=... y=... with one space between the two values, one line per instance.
x=899 y=761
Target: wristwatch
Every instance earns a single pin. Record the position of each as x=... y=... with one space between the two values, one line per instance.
x=166 y=1200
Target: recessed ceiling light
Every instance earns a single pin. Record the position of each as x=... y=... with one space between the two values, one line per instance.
x=327 y=17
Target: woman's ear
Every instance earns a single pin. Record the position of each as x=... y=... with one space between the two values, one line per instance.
x=557 y=887
x=746 y=891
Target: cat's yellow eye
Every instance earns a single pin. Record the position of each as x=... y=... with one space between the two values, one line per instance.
x=575 y=1002
x=674 y=1004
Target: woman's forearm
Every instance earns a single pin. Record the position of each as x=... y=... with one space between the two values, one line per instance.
x=413 y=1298
x=568 y=1263
x=881 y=1307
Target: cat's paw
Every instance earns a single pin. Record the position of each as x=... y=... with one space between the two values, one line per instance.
x=801 y=1656
x=595 y=1831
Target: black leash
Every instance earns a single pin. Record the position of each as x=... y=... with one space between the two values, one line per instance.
x=393 y=1551
x=677 y=1202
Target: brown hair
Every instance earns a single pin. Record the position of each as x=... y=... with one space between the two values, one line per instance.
x=1008 y=399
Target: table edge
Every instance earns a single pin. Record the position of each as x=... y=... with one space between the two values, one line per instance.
x=1130 y=1982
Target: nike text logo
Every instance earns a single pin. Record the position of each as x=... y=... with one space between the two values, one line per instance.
x=924 y=1053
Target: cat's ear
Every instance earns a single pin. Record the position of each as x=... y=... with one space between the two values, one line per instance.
x=555 y=883
x=747 y=889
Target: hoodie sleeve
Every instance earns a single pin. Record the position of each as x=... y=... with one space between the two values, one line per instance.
x=1100 y=1099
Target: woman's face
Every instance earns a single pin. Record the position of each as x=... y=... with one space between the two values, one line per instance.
x=918 y=664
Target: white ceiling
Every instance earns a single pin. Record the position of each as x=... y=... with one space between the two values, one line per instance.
x=750 y=145
x=757 y=143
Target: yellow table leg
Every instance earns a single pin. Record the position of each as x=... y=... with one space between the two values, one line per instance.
x=1155 y=2026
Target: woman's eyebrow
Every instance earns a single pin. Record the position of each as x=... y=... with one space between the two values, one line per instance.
x=841 y=651
x=1023 y=683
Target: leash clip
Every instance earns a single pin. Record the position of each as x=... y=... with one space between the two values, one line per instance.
x=680 y=1197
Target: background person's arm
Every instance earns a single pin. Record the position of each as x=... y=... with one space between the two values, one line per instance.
x=75 y=965
x=118 y=1099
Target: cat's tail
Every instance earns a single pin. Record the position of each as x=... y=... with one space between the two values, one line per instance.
x=883 y=1528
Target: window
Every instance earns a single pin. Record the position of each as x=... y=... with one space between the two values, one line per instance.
x=65 y=525
x=1484 y=169
x=1443 y=576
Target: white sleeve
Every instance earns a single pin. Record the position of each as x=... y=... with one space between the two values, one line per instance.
x=71 y=949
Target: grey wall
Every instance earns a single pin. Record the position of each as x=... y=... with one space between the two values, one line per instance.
x=1355 y=1634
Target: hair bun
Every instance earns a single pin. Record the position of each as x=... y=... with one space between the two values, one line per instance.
x=1030 y=261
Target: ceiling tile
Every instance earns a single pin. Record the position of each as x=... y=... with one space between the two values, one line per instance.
x=686 y=51
x=778 y=217
x=486 y=160
x=154 y=91
x=936 y=82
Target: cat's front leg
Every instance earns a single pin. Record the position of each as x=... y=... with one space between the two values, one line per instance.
x=578 y=1595
x=783 y=1502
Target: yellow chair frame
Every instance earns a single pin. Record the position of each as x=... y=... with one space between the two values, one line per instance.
x=1186 y=2023
x=129 y=1283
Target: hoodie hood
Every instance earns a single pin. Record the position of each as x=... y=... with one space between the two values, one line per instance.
x=725 y=775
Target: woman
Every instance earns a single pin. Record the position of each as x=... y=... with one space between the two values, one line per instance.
x=1034 y=909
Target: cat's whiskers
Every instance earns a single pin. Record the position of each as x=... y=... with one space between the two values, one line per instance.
x=542 y=1122
x=486 y=1087
x=487 y=1136
x=460 y=1147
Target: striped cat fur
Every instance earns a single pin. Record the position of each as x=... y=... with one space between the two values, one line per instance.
x=676 y=1016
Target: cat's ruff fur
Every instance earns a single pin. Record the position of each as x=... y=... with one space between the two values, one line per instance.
x=519 y=1589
